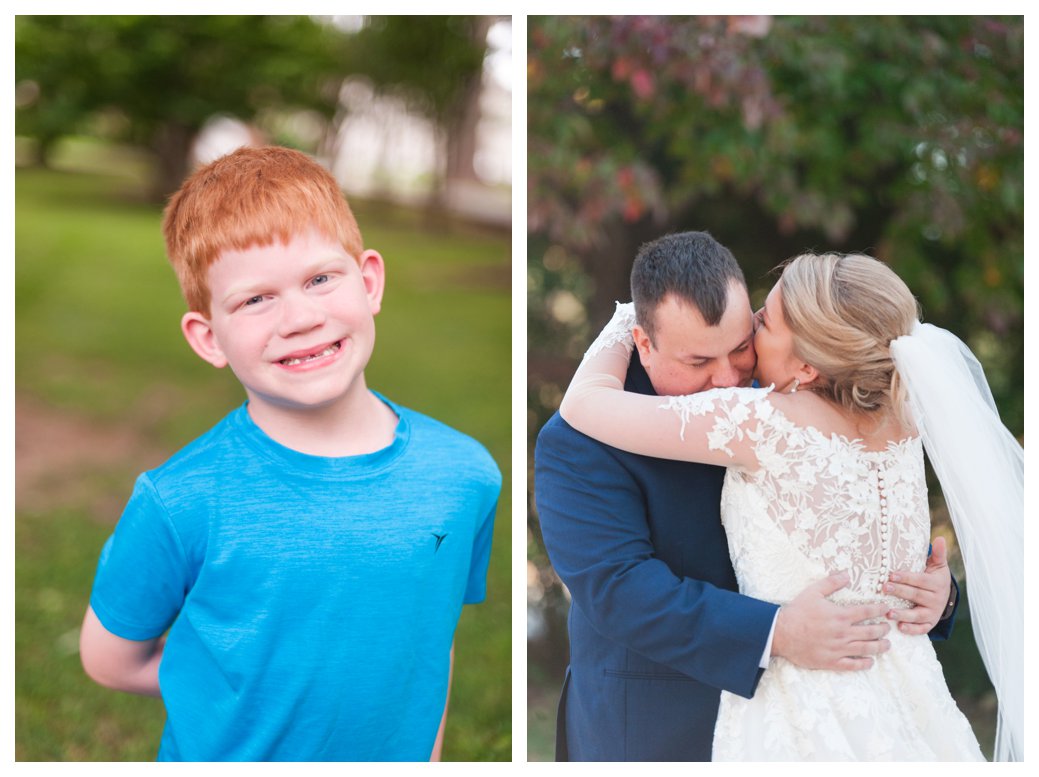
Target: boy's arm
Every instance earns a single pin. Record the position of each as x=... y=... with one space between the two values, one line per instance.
x=122 y=664
x=438 y=746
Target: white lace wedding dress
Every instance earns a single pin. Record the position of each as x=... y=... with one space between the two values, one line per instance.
x=818 y=505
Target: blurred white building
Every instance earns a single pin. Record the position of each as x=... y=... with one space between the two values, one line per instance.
x=382 y=149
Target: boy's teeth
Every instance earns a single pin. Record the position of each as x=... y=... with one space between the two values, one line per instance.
x=328 y=351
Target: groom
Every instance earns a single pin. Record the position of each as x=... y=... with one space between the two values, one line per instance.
x=657 y=629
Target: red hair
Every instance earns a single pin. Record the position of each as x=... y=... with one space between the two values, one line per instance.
x=250 y=197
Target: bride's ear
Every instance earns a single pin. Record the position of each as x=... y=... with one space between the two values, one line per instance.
x=806 y=374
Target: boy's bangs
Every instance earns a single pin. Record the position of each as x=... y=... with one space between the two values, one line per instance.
x=282 y=224
x=277 y=213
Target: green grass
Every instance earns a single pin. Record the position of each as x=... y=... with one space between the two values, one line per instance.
x=60 y=714
x=97 y=338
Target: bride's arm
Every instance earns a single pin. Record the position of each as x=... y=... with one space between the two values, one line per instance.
x=708 y=427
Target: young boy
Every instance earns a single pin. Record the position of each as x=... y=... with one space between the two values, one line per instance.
x=310 y=554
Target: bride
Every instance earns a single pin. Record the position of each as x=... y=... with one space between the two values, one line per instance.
x=826 y=474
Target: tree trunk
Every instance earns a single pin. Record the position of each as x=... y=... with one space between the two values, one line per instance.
x=462 y=121
x=458 y=129
x=609 y=266
x=172 y=146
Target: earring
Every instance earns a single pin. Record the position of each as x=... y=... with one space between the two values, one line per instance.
x=796 y=384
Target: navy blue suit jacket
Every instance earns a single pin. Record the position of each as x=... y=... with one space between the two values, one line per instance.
x=656 y=626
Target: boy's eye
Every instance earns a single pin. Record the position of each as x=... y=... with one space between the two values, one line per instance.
x=253 y=300
x=319 y=279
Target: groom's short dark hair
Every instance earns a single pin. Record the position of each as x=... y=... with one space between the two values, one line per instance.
x=691 y=265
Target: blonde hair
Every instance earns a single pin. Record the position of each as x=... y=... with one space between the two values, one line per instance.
x=843 y=312
x=252 y=196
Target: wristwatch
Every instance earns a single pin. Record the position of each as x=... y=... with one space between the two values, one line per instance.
x=953 y=596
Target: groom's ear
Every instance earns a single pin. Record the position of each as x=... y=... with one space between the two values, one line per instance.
x=642 y=343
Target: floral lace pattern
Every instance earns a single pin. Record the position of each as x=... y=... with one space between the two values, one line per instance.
x=829 y=504
x=616 y=332
x=818 y=504
x=900 y=710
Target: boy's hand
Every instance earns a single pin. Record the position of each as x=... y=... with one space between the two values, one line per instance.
x=438 y=745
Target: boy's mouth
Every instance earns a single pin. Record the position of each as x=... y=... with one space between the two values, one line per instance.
x=292 y=361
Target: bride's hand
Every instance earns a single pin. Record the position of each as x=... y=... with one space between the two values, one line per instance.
x=617 y=331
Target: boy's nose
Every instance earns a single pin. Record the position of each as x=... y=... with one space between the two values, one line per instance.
x=299 y=314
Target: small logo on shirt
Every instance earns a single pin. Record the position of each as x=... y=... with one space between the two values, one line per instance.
x=440 y=539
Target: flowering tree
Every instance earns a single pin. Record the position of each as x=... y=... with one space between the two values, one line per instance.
x=898 y=136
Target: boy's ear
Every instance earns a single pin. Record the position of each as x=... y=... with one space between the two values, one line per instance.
x=373 y=273
x=200 y=336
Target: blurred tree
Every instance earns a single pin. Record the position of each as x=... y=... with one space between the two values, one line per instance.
x=898 y=136
x=155 y=80
x=436 y=64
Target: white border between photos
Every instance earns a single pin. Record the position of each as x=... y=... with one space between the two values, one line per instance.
x=519 y=390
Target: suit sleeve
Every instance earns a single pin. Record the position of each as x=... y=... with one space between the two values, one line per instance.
x=596 y=532
x=943 y=629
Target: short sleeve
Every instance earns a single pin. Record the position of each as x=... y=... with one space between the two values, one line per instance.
x=476 y=585
x=142 y=576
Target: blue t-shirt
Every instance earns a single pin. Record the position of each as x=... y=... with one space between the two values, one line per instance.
x=313 y=601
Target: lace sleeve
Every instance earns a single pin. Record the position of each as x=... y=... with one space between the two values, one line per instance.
x=713 y=427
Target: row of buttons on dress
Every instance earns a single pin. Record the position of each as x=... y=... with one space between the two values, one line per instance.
x=885 y=533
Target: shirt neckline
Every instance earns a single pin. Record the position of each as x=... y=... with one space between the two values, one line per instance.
x=327 y=467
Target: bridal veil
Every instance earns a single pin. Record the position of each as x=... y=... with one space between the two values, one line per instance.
x=981 y=469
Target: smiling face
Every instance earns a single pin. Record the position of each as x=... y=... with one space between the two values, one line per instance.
x=686 y=355
x=294 y=321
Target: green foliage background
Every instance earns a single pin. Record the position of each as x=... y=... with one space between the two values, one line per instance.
x=154 y=81
x=97 y=312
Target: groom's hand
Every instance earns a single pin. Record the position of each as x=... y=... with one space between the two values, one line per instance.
x=814 y=633
x=929 y=590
